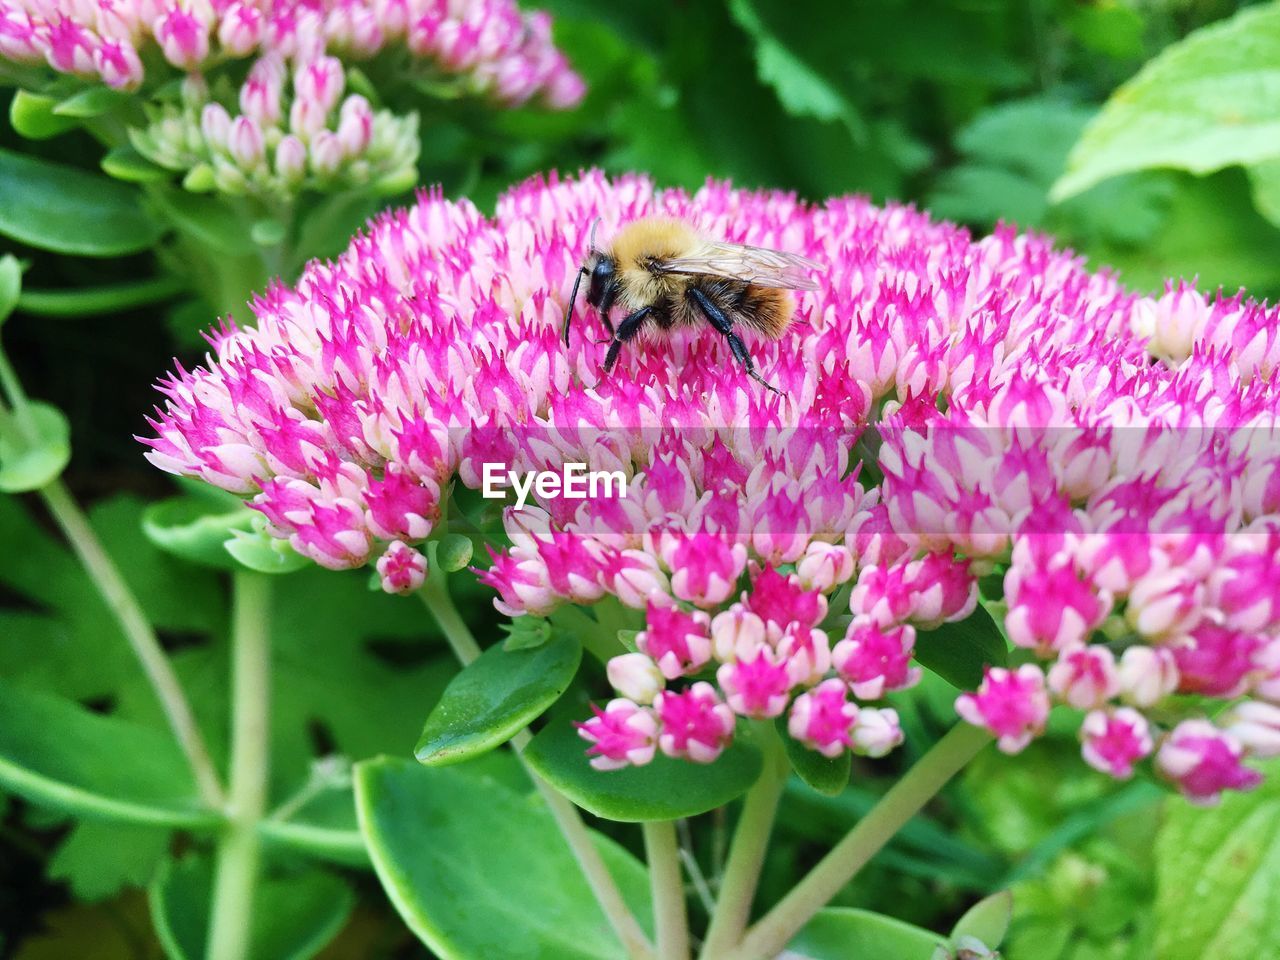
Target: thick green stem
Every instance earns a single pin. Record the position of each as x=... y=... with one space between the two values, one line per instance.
x=142 y=638
x=902 y=802
x=670 y=913
x=236 y=874
x=746 y=854
x=435 y=595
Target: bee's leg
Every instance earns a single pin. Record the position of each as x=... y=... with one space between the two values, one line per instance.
x=606 y=304
x=627 y=329
x=717 y=318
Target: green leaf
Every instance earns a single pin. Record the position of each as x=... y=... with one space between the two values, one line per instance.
x=263 y=553
x=478 y=871
x=96 y=301
x=207 y=219
x=294 y=916
x=126 y=163
x=195 y=530
x=29 y=465
x=1209 y=101
x=987 y=920
x=495 y=696
x=67 y=210
x=10 y=285
x=92 y=102
x=958 y=652
x=827 y=775
x=801 y=90
x=32 y=116
x=843 y=933
x=1265 y=180
x=664 y=789
x=1218 y=878
x=98 y=860
x=526 y=633
x=56 y=753
x=268 y=232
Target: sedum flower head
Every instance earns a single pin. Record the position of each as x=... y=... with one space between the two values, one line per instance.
x=955 y=413
x=289 y=121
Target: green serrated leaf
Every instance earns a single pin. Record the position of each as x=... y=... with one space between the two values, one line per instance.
x=958 y=652
x=987 y=920
x=1218 y=878
x=92 y=102
x=126 y=163
x=67 y=210
x=32 y=116
x=294 y=916
x=56 y=753
x=1206 y=102
x=827 y=775
x=98 y=860
x=10 y=285
x=27 y=464
x=428 y=828
x=664 y=789
x=844 y=933
x=195 y=530
x=494 y=697
x=526 y=633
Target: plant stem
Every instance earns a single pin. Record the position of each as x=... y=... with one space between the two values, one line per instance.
x=670 y=914
x=746 y=854
x=902 y=802
x=142 y=638
x=236 y=874
x=435 y=596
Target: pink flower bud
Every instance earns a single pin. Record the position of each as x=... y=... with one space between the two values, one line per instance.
x=1050 y=606
x=1168 y=603
x=944 y=590
x=822 y=718
x=291 y=159
x=875 y=660
x=1219 y=662
x=245 y=143
x=623 y=734
x=1113 y=741
x=402 y=568
x=824 y=566
x=215 y=125
x=183 y=37
x=876 y=732
x=1147 y=675
x=680 y=642
x=782 y=600
x=240 y=29
x=704 y=567
x=758 y=686
x=261 y=91
x=636 y=578
x=1085 y=677
x=735 y=633
x=1013 y=705
x=1204 y=761
x=118 y=64
x=635 y=676
x=326 y=154
x=355 y=125
x=807 y=653
x=695 y=723
x=1257 y=726
x=319 y=83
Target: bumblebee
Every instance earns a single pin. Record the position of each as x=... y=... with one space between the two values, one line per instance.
x=664 y=274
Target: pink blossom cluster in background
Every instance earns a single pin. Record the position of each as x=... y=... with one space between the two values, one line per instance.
x=1105 y=465
x=497 y=50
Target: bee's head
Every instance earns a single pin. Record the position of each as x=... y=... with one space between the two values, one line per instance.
x=601 y=268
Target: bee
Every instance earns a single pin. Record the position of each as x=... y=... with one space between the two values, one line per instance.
x=664 y=273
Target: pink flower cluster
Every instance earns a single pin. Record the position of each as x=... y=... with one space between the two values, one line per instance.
x=488 y=46
x=955 y=413
x=295 y=129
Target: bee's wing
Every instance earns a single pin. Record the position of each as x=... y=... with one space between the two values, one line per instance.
x=758 y=265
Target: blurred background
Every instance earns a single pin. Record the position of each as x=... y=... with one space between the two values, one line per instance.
x=965 y=107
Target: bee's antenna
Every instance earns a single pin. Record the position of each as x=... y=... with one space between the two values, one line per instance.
x=573 y=297
x=591 y=241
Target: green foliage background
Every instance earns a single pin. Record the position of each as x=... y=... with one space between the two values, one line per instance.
x=967 y=107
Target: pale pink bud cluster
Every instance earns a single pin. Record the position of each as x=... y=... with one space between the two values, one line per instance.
x=955 y=413
x=486 y=47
